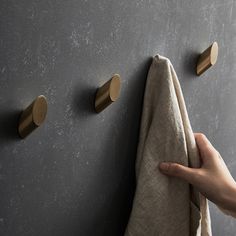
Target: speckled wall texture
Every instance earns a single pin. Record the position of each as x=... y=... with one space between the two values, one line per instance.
x=75 y=174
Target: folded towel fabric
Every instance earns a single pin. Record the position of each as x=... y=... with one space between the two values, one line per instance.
x=162 y=205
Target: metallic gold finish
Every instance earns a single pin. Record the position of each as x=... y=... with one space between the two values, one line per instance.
x=108 y=93
x=207 y=59
x=33 y=116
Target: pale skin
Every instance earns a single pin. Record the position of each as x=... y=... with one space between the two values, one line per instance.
x=212 y=179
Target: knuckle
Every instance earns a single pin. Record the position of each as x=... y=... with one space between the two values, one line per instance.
x=202 y=140
x=175 y=168
x=202 y=136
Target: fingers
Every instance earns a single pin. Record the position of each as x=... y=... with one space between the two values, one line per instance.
x=177 y=170
x=194 y=176
x=205 y=147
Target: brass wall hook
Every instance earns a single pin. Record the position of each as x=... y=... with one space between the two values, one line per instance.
x=33 y=116
x=207 y=59
x=108 y=93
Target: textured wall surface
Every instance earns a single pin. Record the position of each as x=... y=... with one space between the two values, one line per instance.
x=75 y=174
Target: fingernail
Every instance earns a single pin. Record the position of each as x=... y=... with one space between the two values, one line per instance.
x=164 y=166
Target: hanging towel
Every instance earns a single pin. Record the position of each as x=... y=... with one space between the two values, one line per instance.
x=166 y=206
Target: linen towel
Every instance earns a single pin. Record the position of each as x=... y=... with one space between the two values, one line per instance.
x=162 y=205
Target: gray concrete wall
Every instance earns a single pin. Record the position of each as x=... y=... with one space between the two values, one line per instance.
x=75 y=174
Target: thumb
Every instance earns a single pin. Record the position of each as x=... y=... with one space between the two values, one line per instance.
x=183 y=172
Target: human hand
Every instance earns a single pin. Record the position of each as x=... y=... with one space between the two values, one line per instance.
x=212 y=179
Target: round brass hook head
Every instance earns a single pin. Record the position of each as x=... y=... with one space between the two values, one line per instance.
x=214 y=53
x=115 y=87
x=39 y=110
x=108 y=93
x=207 y=59
x=33 y=116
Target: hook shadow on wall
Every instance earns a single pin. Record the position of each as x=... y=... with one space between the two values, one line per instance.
x=34 y=115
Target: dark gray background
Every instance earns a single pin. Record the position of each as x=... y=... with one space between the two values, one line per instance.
x=75 y=174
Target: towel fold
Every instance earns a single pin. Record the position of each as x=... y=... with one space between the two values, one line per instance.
x=162 y=205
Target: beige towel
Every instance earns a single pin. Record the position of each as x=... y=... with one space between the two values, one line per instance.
x=162 y=205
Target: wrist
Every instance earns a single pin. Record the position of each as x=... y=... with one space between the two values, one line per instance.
x=229 y=199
